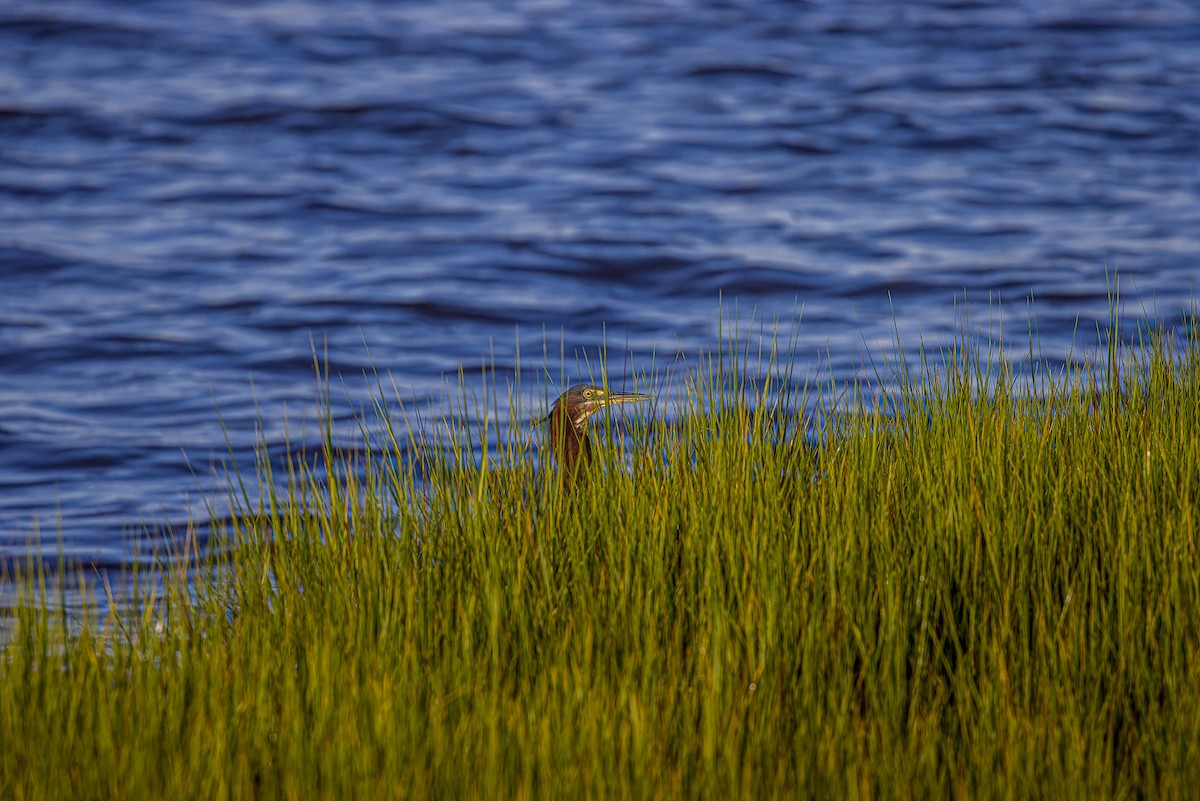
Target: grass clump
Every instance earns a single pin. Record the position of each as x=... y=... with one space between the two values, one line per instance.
x=977 y=587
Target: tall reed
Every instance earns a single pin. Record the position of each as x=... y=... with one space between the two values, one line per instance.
x=963 y=582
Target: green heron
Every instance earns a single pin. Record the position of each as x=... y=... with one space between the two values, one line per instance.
x=569 y=419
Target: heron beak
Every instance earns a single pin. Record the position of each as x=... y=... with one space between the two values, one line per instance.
x=625 y=397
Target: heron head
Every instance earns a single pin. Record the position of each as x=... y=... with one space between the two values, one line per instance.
x=583 y=400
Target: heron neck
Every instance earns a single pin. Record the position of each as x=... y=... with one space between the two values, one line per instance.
x=570 y=443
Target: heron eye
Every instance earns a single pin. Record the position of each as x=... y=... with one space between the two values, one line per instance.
x=589 y=393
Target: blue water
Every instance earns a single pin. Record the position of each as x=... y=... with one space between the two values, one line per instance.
x=192 y=195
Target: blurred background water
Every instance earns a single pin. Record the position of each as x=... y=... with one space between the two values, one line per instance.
x=192 y=195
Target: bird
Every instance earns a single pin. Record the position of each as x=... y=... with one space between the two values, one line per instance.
x=568 y=418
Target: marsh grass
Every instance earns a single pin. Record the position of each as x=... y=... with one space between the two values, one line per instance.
x=963 y=583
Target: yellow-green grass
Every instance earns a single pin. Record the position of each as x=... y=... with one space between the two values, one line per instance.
x=979 y=587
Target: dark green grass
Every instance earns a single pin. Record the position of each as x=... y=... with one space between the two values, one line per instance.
x=964 y=590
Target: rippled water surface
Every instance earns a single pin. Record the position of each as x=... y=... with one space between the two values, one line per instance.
x=192 y=195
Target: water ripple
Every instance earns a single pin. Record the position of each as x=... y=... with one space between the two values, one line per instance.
x=194 y=200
